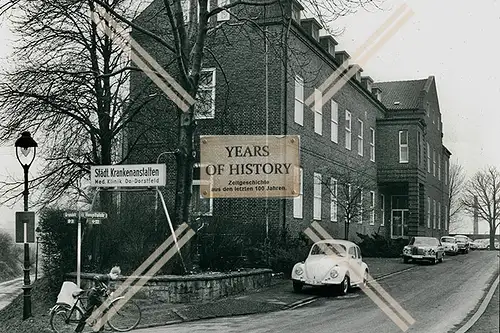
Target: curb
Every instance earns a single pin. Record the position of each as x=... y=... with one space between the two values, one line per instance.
x=290 y=306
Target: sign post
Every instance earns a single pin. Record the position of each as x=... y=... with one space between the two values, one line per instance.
x=91 y=218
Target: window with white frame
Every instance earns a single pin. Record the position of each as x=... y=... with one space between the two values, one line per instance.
x=439 y=166
x=403 y=146
x=434 y=162
x=298 y=201
x=198 y=8
x=317 y=197
x=360 y=205
x=382 y=209
x=419 y=148
x=428 y=158
x=200 y=206
x=372 y=144
x=439 y=216
x=186 y=10
x=299 y=100
x=360 y=137
x=372 y=208
x=205 y=97
x=318 y=112
x=428 y=212
x=347 y=130
x=434 y=216
x=333 y=202
x=223 y=15
x=334 y=132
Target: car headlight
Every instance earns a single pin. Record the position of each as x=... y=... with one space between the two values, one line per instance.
x=299 y=271
x=334 y=274
x=431 y=251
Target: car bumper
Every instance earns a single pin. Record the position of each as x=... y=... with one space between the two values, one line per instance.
x=324 y=282
x=419 y=256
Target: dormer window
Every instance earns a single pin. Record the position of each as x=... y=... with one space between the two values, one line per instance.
x=295 y=13
x=315 y=34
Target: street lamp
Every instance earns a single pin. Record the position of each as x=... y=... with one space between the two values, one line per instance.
x=27 y=147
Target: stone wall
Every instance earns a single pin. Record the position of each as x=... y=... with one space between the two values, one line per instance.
x=191 y=288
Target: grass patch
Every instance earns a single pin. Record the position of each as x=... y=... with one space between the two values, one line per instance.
x=11 y=317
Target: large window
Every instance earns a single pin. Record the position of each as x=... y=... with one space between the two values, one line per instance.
x=224 y=15
x=205 y=97
x=372 y=208
x=445 y=172
x=434 y=217
x=298 y=201
x=334 y=133
x=419 y=148
x=333 y=200
x=360 y=137
x=403 y=146
x=439 y=166
x=428 y=212
x=439 y=216
x=200 y=206
x=348 y=130
x=434 y=162
x=382 y=209
x=360 y=205
x=317 y=197
x=318 y=112
x=372 y=144
x=299 y=101
x=445 y=219
x=428 y=158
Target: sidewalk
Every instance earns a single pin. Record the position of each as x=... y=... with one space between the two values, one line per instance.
x=279 y=296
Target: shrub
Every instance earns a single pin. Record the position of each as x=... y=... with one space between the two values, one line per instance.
x=376 y=245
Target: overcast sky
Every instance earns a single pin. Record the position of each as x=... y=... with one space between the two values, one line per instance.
x=449 y=39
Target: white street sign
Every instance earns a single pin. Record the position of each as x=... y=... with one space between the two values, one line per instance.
x=129 y=175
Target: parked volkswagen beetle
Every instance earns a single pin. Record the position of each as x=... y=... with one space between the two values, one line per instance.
x=450 y=245
x=335 y=263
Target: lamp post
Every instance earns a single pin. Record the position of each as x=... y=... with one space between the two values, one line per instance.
x=27 y=146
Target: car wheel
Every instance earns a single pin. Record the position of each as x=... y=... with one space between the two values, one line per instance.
x=441 y=259
x=297 y=286
x=434 y=260
x=364 y=284
x=406 y=260
x=343 y=287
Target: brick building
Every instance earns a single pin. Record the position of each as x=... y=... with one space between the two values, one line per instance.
x=256 y=81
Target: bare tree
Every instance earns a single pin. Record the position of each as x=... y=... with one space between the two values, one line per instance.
x=456 y=181
x=350 y=190
x=186 y=44
x=482 y=194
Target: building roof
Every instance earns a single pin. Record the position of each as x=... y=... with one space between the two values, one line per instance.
x=403 y=95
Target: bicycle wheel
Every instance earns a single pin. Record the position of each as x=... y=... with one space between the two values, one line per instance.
x=60 y=322
x=127 y=317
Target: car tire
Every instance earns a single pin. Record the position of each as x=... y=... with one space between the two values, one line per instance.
x=364 y=284
x=297 y=286
x=406 y=260
x=441 y=259
x=344 y=286
x=434 y=260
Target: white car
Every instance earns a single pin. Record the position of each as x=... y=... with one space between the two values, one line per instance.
x=450 y=244
x=335 y=263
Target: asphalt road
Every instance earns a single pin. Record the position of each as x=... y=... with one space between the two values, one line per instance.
x=9 y=290
x=437 y=297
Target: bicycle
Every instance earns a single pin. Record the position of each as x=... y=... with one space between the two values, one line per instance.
x=69 y=308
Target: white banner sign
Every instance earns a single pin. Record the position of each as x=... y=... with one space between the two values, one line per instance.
x=130 y=175
x=249 y=166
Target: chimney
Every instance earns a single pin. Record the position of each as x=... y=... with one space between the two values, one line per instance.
x=341 y=57
x=312 y=27
x=358 y=69
x=367 y=82
x=377 y=93
x=328 y=43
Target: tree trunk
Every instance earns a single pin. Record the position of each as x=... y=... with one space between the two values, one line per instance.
x=346 y=229
x=492 y=236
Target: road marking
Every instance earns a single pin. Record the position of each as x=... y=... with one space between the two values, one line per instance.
x=482 y=308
